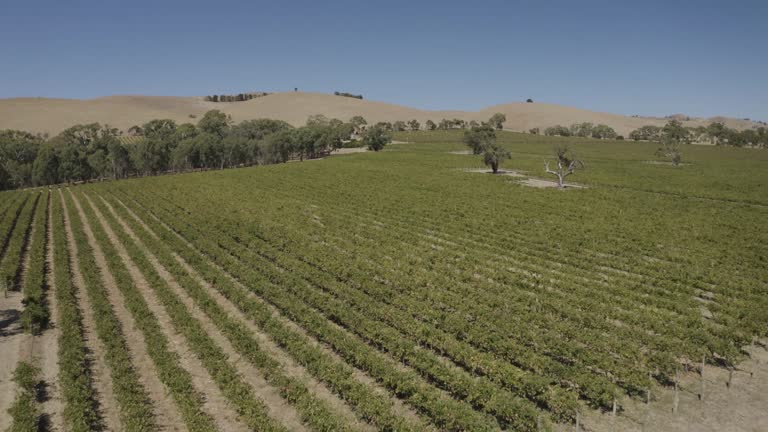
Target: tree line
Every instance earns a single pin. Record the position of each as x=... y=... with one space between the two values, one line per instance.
x=715 y=133
x=350 y=95
x=584 y=129
x=95 y=151
x=240 y=97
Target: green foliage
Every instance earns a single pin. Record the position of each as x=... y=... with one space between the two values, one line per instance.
x=350 y=95
x=497 y=120
x=494 y=155
x=35 y=316
x=376 y=138
x=25 y=410
x=215 y=123
x=479 y=137
x=378 y=281
x=75 y=380
x=646 y=133
x=557 y=131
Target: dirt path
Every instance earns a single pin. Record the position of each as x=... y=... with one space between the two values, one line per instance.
x=215 y=402
x=109 y=409
x=399 y=407
x=12 y=339
x=290 y=367
x=166 y=412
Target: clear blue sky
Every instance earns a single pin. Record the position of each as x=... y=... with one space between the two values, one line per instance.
x=652 y=57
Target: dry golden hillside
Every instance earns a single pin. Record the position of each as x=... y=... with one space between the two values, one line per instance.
x=54 y=115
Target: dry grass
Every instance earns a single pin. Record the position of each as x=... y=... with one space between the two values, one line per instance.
x=55 y=115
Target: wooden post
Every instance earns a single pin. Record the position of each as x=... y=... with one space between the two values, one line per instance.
x=648 y=391
x=701 y=393
x=614 y=407
x=538 y=423
x=730 y=377
x=578 y=420
x=676 y=401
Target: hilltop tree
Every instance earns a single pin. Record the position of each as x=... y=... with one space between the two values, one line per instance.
x=497 y=120
x=376 y=138
x=479 y=137
x=529 y=100
x=567 y=164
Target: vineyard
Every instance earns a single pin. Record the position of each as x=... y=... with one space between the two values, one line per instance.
x=395 y=291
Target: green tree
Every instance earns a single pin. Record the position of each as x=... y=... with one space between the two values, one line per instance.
x=215 y=123
x=414 y=125
x=557 y=131
x=376 y=138
x=45 y=170
x=430 y=125
x=359 y=123
x=675 y=132
x=494 y=155
x=480 y=137
x=602 y=131
x=497 y=120
x=398 y=126
x=318 y=120
x=717 y=132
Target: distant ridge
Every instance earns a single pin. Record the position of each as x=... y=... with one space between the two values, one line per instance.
x=48 y=115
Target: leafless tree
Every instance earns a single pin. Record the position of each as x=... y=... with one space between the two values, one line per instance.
x=567 y=164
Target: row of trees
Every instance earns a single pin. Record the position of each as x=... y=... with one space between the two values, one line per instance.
x=716 y=133
x=345 y=94
x=94 y=151
x=585 y=129
x=240 y=97
x=496 y=122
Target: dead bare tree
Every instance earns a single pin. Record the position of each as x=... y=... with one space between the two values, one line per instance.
x=567 y=164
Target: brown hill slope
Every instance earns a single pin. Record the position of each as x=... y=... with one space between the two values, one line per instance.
x=54 y=115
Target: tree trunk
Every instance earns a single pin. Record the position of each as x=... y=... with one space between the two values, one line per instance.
x=495 y=167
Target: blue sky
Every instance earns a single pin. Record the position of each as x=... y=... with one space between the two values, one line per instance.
x=651 y=58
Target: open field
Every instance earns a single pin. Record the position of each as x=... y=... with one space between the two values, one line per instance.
x=398 y=290
x=44 y=115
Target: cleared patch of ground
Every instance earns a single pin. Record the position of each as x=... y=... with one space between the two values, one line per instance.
x=510 y=173
x=541 y=183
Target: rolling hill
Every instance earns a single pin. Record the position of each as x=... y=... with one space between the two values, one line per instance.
x=51 y=116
